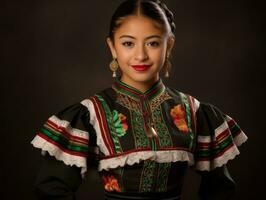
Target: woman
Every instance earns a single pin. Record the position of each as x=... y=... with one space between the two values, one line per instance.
x=142 y=134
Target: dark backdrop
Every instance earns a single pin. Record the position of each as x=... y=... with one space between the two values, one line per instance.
x=53 y=54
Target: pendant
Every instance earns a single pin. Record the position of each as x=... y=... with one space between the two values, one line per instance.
x=151 y=132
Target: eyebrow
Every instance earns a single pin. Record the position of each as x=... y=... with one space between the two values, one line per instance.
x=149 y=37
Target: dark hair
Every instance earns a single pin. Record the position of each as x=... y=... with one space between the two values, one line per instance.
x=153 y=9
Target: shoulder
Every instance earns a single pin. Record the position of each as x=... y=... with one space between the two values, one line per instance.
x=186 y=98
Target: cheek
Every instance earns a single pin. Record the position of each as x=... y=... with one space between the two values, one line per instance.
x=159 y=56
x=122 y=55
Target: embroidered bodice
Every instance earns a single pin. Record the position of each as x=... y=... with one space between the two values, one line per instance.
x=142 y=142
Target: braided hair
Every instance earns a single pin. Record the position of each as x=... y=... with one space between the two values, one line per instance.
x=154 y=9
x=168 y=13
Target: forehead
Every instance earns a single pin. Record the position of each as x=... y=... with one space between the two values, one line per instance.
x=139 y=26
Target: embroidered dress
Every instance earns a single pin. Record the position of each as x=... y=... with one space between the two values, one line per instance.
x=143 y=143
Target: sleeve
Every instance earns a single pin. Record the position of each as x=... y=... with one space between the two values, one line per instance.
x=65 y=136
x=218 y=138
x=57 y=181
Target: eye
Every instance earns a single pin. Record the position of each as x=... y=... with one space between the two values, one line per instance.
x=128 y=44
x=153 y=44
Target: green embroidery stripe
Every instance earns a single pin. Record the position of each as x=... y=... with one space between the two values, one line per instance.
x=64 y=142
x=141 y=139
x=155 y=90
x=147 y=180
x=235 y=129
x=153 y=144
x=188 y=115
x=164 y=136
x=211 y=150
x=162 y=177
x=59 y=134
x=110 y=122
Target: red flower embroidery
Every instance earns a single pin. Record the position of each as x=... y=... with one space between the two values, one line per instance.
x=178 y=115
x=120 y=123
x=111 y=183
x=123 y=120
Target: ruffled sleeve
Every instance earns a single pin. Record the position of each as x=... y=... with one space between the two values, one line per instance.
x=218 y=138
x=66 y=135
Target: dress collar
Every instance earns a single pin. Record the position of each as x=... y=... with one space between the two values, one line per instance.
x=155 y=90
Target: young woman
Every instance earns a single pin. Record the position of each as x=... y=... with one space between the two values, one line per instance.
x=142 y=134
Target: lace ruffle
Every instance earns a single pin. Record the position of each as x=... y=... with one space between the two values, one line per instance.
x=59 y=154
x=137 y=157
x=229 y=154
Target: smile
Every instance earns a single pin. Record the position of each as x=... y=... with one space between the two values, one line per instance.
x=141 y=68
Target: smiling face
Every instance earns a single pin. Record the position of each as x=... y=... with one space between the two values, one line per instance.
x=140 y=46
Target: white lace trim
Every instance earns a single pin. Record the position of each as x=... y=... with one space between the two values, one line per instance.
x=59 y=154
x=230 y=154
x=65 y=124
x=95 y=123
x=136 y=157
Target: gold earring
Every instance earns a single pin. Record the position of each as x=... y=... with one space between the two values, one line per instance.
x=114 y=67
x=167 y=66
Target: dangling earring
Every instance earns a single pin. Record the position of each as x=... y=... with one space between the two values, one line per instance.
x=114 y=66
x=167 y=66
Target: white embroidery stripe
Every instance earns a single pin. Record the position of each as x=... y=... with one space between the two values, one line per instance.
x=196 y=104
x=218 y=131
x=95 y=123
x=230 y=154
x=204 y=139
x=228 y=118
x=59 y=154
x=223 y=127
x=136 y=157
x=66 y=125
x=240 y=138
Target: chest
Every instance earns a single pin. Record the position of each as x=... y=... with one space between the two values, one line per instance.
x=125 y=125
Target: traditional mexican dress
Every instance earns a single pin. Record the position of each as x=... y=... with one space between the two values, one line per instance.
x=142 y=143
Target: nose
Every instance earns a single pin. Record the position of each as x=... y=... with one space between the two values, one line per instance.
x=141 y=53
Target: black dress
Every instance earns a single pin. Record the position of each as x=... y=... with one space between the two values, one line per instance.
x=143 y=144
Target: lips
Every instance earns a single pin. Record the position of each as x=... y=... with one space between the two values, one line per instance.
x=141 y=68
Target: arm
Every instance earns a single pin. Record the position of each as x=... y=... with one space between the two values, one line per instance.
x=57 y=181
x=216 y=185
x=65 y=139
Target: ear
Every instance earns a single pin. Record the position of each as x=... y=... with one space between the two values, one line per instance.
x=170 y=44
x=111 y=47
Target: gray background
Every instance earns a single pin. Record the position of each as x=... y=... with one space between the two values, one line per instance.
x=53 y=54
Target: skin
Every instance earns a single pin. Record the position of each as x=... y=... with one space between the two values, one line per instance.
x=140 y=40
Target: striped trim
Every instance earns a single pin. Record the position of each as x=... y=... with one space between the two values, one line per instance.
x=69 y=157
x=108 y=116
x=217 y=151
x=65 y=127
x=192 y=114
x=128 y=90
x=60 y=133
x=227 y=155
x=210 y=148
x=160 y=156
x=99 y=125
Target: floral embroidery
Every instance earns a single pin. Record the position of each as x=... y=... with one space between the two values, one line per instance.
x=111 y=183
x=178 y=115
x=120 y=123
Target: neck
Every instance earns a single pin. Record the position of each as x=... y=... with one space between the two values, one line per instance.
x=142 y=86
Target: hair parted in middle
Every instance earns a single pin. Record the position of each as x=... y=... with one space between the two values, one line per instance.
x=153 y=9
